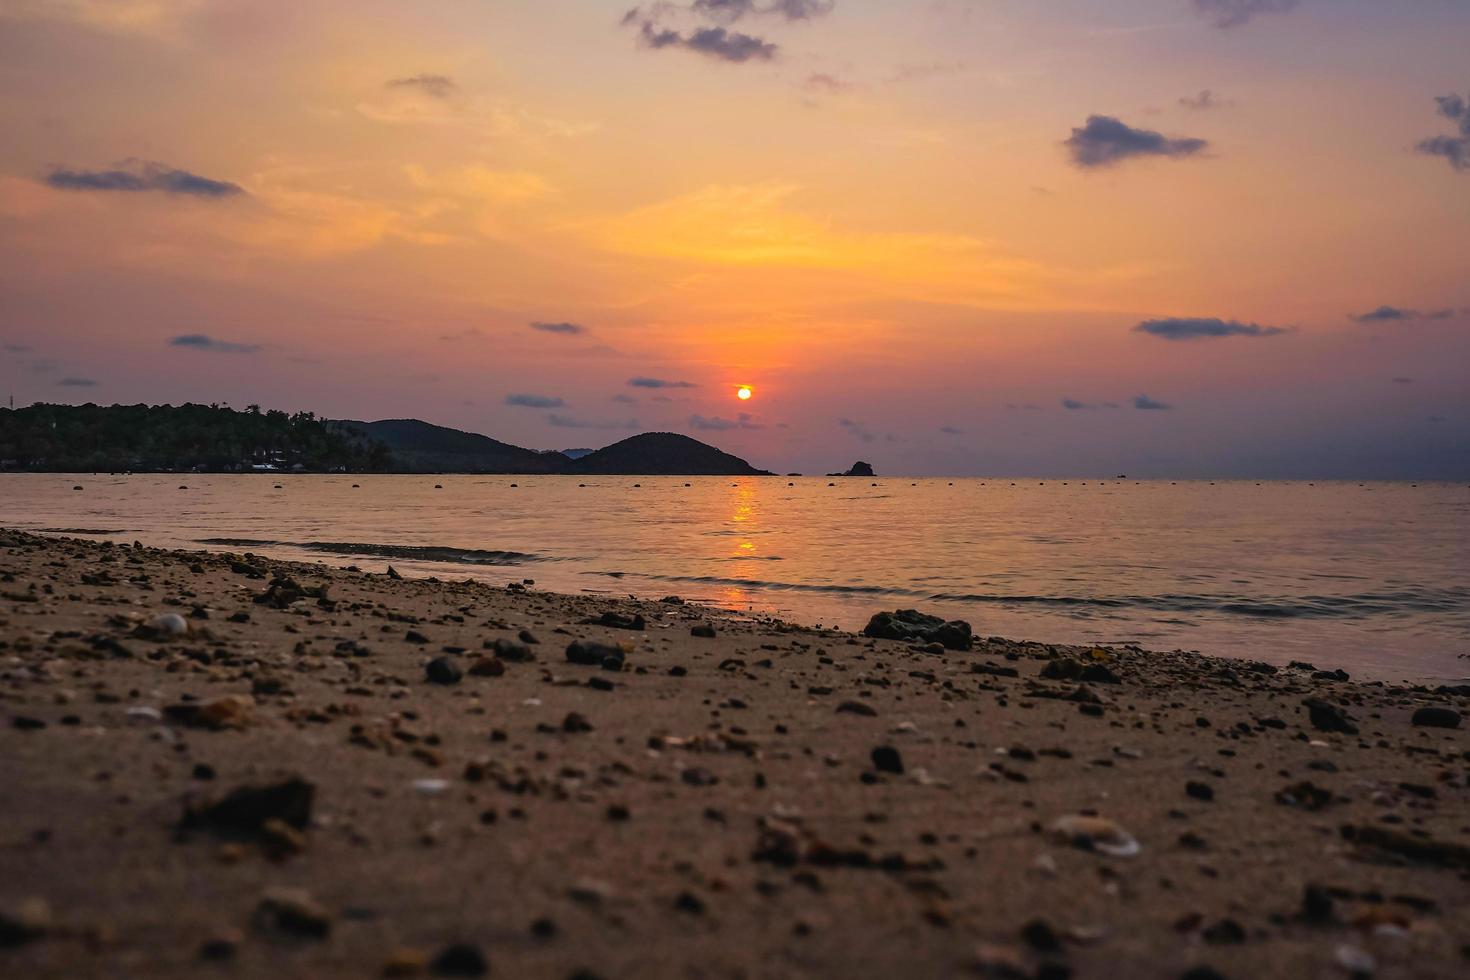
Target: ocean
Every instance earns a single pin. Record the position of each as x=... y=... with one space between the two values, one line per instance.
x=1373 y=578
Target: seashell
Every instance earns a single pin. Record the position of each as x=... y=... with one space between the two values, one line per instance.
x=1096 y=834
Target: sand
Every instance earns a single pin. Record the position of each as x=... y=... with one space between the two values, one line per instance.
x=714 y=807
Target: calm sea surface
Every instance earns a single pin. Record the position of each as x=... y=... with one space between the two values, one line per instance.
x=1373 y=577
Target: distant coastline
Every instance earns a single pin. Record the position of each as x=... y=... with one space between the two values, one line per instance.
x=46 y=438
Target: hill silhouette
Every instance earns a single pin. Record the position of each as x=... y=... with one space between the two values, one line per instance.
x=662 y=454
x=415 y=446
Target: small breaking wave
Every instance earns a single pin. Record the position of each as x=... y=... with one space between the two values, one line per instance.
x=456 y=556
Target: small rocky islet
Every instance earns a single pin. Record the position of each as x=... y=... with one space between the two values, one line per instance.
x=221 y=764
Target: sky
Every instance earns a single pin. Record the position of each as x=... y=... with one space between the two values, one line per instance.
x=1176 y=238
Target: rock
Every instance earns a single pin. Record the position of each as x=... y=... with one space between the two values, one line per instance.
x=1328 y=717
x=513 y=651
x=886 y=759
x=590 y=653
x=245 y=810
x=575 y=723
x=1317 y=905
x=284 y=590
x=1062 y=670
x=1435 y=717
x=619 y=621
x=487 y=667
x=1099 y=674
x=703 y=630
x=1306 y=795
x=25 y=923
x=1200 y=791
x=914 y=626
x=857 y=708
x=405 y=962
x=394 y=574
x=1226 y=931
x=1095 y=834
x=443 y=670
x=1040 y=936
x=858 y=469
x=292 y=912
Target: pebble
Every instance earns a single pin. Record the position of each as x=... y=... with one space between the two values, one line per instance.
x=887 y=759
x=1436 y=717
x=443 y=670
x=292 y=912
x=460 y=960
x=1096 y=834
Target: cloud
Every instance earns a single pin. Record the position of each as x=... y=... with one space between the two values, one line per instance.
x=1022 y=407
x=533 y=401
x=1403 y=381
x=802 y=9
x=1205 y=100
x=950 y=430
x=1395 y=314
x=568 y=329
x=1147 y=404
x=199 y=341
x=1455 y=149
x=858 y=429
x=716 y=424
x=16 y=349
x=825 y=84
x=659 y=383
x=1073 y=405
x=135 y=176
x=729 y=11
x=1205 y=328
x=1105 y=141
x=434 y=86
x=713 y=42
x=624 y=399
x=564 y=422
x=77 y=383
x=1236 y=13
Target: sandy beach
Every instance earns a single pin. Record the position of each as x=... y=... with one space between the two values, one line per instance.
x=225 y=765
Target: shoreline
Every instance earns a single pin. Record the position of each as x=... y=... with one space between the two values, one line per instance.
x=771 y=800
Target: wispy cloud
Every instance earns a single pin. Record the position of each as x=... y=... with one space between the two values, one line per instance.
x=1073 y=405
x=138 y=176
x=204 y=342
x=659 y=383
x=1237 y=13
x=566 y=422
x=1396 y=314
x=74 y=382
x=716 y=424
x=1204 y=101
x=568 y=329
x=1105 y=141
x=1455 y=149
x=1147 y=404
x=950 y=430
x=534 y=401
x=858 y=429
x=434 y=86
x=1205 y=328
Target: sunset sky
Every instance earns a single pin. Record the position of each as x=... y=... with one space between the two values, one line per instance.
x=1042 y=237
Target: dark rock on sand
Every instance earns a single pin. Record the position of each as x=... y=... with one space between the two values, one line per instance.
x=1435 y=717
x=247 y=809
x=914 y=626
x=443 y=670
x=886 y=759
x=1328 y=717
x=590 y=653
x=460 y=960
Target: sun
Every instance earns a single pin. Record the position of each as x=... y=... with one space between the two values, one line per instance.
x=744 y=393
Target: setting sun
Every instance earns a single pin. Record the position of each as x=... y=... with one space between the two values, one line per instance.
x=743 y=393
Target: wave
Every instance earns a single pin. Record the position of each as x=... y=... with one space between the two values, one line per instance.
x=1363 y=606
x=457 y=556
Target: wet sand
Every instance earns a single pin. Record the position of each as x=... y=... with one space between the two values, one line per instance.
x=297 y=784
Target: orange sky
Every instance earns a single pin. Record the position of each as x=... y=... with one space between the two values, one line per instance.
x=868 y=210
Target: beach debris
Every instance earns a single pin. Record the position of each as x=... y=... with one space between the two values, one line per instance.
x=1306 y=795
x=443 y=670
x=1419 y=850
x=284 y=590
x=1437 y=717
x=1095 y=834
x=232 y=711
x=292 y=913
x=618 y=621
x=914 y=626
x=165 y=626
x=703 y=630
x=1328 y=717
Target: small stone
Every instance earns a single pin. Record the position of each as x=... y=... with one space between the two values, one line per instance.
x=1200 y=791
x=460 y=960
x=590 y=653
x=1095 y=834
x=857 y=708
x=1040 y=936
x=886 y=759
x=292 y=912
x=487 y=667
x=405 y=962
x=443 y=670
x=703 y=630
x=1328 y=717
x=575 y=723
x=25 y=923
